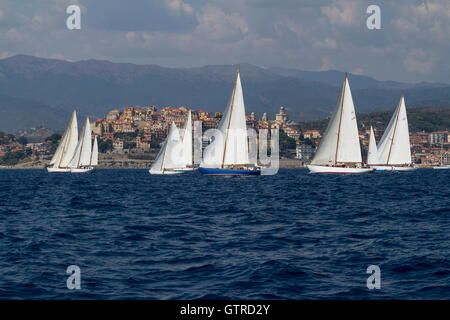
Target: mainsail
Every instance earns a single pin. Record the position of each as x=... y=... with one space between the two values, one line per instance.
x=394 y=147
x=66 y=147
x=186 y=139
x=82 y=155
x=340 y=142
x=372 y=155
x=231 y=147
x=169 y=155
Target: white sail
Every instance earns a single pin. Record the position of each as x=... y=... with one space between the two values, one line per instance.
x=394 y=147
x=71 y=142
x=171 y=154
x=56 y=159
x=213 y=153
x=340 y=142
x=66 y=147
x=94 y=155
x=82 y=155
x=157 y=165
x=186 y=139
x=372 y=155
x=386 y=139
x=232 y=147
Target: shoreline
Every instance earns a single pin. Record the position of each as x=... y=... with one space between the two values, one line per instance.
x=135 y=164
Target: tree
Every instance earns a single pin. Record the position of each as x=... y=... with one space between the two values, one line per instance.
x=54 y=138
x=125 y=135
x=129 y=145
x=155 y=142
x=104 y=145
x=53 y=142
x=22 y=140
x=309 y=141
x=13 y=157
x=286 y=143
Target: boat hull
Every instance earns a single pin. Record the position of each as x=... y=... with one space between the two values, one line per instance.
x=185 y=169
x=441 y=168
x=167 y=172
x=229 y=172
x=81 y=170
x=401 y=169
x=393 y=168
x=338 y=170
x=382 y=168
x=57 y=170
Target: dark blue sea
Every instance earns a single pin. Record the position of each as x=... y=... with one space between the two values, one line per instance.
x=289 y=236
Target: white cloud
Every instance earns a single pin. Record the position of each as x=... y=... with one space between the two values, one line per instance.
x=214 y=24
x=130 y=36
x=15 y=35
x=419 y=61
x=6 y=54
x=358 y=71
x=327 y=64
x=405 y=27
x=342 y=12
x=327 y=34
x=37 y=19
x=178 y=6
x=327 y=43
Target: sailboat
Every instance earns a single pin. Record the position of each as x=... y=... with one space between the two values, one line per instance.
x=227 y=154
x=170 y=157
x=66 y=148
x=186 y=142
x=85 y=156
x=394 y=151
x=339 y=151
x=442 y=166
x=372 y=155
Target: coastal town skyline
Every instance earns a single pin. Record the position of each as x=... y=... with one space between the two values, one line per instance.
x=139 y=130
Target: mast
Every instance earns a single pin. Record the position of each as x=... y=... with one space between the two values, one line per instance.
x=395 y=129
x=340 y=118
x=229 y=120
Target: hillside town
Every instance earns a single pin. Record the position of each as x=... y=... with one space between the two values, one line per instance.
x=139 y=131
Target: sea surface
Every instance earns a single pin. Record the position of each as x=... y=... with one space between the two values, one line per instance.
x=293 y=235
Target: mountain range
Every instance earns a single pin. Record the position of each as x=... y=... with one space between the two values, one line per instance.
x=43 y=92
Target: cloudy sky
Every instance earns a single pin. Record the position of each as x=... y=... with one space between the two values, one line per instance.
x=413 y=44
